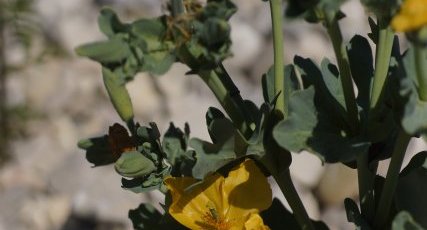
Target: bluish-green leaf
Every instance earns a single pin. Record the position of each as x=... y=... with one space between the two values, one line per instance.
x=105 y=52
x=98 y=151
x=311 y=127
x=412 y=188
x=404 y=221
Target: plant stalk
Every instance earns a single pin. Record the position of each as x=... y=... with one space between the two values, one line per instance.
x=340 y=50
x=421 y=68
x=229 y=97
x=279 y=75
x=390 y=184
x=284 y=181
x=382 y=60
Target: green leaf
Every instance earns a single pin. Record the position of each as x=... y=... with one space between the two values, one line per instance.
x=158 y=62
x=277 y=217
x=210 y=157
x=354 y=215
x=147 y=183
x=291 y=84
x=109 y=23
x=150 y=33
x=404 y=221
x=105 y=52
x=311 y=127
x=98 y=151
x=414 y=120
x=412 y=187
x=145 y=217
x=362 y=70
x=175 y=144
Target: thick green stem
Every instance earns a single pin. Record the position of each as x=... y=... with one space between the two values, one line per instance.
x=177 y=7
x=382 y=60
x=279 y=76
x=383 y=209
x=335 y=34
x=421 y=68
x=284 y=181
x=228 y=96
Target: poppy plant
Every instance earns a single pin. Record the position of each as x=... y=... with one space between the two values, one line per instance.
x=221 y=203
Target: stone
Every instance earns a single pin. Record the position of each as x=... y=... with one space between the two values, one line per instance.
x=246 y=46
x=338 y=182
x=307 y=169
x=336 y=218
x=46 y=212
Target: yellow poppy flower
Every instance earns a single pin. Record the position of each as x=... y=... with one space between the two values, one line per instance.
x=412 y=16
x=219 y=203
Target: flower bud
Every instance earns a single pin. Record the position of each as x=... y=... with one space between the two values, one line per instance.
x=134 y=164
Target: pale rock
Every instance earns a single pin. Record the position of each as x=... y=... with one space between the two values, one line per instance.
x=44 y=213
x=355 y=19
x=307 y=169
x=144 y=99
x=338 y=182
x=246 y=46
x=15 y=90
x=65 y=132
x=13 y=176
x=336 y=218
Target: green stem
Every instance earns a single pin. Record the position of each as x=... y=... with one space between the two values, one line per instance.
x=421 y=68
x=383 y=210
x=228 y=96
x=335 y=34
x=279 y=76
x=177 y=7
x=382 y=60
x=284 y=181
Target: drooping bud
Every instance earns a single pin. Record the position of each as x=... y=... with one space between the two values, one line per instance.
x=134 y=164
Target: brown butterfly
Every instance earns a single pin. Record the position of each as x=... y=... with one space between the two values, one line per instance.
x=119 y=140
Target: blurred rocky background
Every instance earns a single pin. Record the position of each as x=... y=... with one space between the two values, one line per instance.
x=55 y=98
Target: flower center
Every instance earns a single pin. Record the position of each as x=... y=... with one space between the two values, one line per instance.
x=213 y=221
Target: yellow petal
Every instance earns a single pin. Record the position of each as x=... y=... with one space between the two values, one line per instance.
x=412 y=16
x=191 y=203
x=248 y=191
x=255 y=223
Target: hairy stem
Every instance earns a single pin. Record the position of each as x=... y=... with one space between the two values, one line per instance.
x=279 y=76
x=383 y=209
x=335 y=34
x=284 y=181
x=382 y=60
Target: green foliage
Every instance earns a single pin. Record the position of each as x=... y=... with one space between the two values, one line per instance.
x=414 y=109
x=317 y=114
x=285 y=220
x=412 y=187
x=404 y=221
